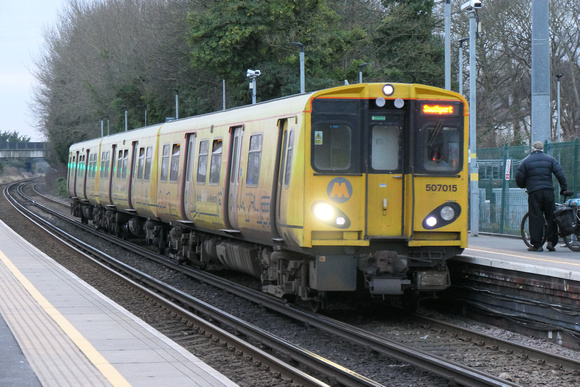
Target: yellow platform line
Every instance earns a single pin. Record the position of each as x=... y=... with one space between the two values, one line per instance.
x=108 y=371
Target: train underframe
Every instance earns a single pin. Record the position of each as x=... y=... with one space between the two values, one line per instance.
x=386 y=271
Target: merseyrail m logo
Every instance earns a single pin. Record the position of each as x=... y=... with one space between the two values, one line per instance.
x=339 y=190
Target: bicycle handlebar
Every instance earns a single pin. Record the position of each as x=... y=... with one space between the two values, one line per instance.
x=567 y=193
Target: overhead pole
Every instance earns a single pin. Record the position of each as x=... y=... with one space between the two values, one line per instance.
x=471 y=8
x=448 y=44
x=460 y=71
x=540 y=71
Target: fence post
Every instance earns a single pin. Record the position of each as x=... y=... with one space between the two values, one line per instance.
x=575 y=181
x=504 y=186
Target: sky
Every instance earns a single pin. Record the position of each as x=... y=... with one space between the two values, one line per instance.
x=22 y=24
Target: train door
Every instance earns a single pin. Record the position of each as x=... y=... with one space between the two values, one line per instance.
x=132 y=174
x=72 y=178
x=188 y=202
x=84 y=169
x=282 y=200
x=385 y=183
x=234 y=173
x=113 y=164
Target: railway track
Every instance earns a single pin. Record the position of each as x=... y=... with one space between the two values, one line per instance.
x=437 y=361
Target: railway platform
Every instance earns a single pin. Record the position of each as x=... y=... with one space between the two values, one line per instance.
x=512 y=254
x=498 y=279
x=56 y=330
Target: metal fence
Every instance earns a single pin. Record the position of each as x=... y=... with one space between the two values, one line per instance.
x=22 y=145
x=501 y=203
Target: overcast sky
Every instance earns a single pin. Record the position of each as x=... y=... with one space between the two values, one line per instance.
x=22 y=23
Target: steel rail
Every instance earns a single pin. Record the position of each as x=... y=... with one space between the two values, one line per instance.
x=437 y=365
x=326 y=367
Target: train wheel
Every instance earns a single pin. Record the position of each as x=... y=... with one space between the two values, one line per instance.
x=162 y=242
x=318 y=303
x=125 y=231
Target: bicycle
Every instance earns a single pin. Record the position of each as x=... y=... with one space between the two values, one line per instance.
x=571 y=240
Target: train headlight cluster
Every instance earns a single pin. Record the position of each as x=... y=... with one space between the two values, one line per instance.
x=323 y=211
x=442 y=215
x=388 y=90
x=330 y=215
x=447 y=213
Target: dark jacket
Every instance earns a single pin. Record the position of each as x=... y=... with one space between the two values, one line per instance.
x=535 y=172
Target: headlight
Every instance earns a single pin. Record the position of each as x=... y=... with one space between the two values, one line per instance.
x=431 y=221
x=330 y=215
x=323 y=211
x=388 y=90
x=447 y=213
x=441 y=216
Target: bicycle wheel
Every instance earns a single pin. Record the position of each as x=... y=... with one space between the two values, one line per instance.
x=525 y=231
x=572 y=242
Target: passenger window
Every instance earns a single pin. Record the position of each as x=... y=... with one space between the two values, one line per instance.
x=141 y=163
x=94 y=165
x=174 y=163
x=148 y=157
x=202 y=162
x=332 y=147
x=108 y=165
x=254 y=157
x=119 y=164
x=81 y=169
x=73 y=166
x=385 y=147
x=125 y=163
x=165 y=163
x=90 y=166
x=102 y=166
x=289 y=159
x=216 y=161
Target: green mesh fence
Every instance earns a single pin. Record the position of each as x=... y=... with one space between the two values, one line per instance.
x=501 y=203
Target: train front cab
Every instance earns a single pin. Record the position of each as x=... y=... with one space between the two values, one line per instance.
x=387 y=192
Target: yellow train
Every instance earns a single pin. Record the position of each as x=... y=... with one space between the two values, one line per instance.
x=354 y=188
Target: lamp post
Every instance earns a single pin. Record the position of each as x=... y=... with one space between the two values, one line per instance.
x=360 y=68
x=253 y=74
x=302 y=76
x=125 y=108
x=558 y=126
x=460 y=72
x=145 y=121
x=176 y=104
x=102 y=118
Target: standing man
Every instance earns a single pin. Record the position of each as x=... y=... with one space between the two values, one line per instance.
x=535 y=175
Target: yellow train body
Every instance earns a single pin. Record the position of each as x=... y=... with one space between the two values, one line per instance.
x=361 y=186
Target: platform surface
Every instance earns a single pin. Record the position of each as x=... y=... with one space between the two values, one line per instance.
x=56 y=330
x=511 y=253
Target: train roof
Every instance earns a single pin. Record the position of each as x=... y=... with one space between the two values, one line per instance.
x=284 y=107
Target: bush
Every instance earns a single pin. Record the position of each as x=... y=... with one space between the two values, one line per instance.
x=60 y=187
